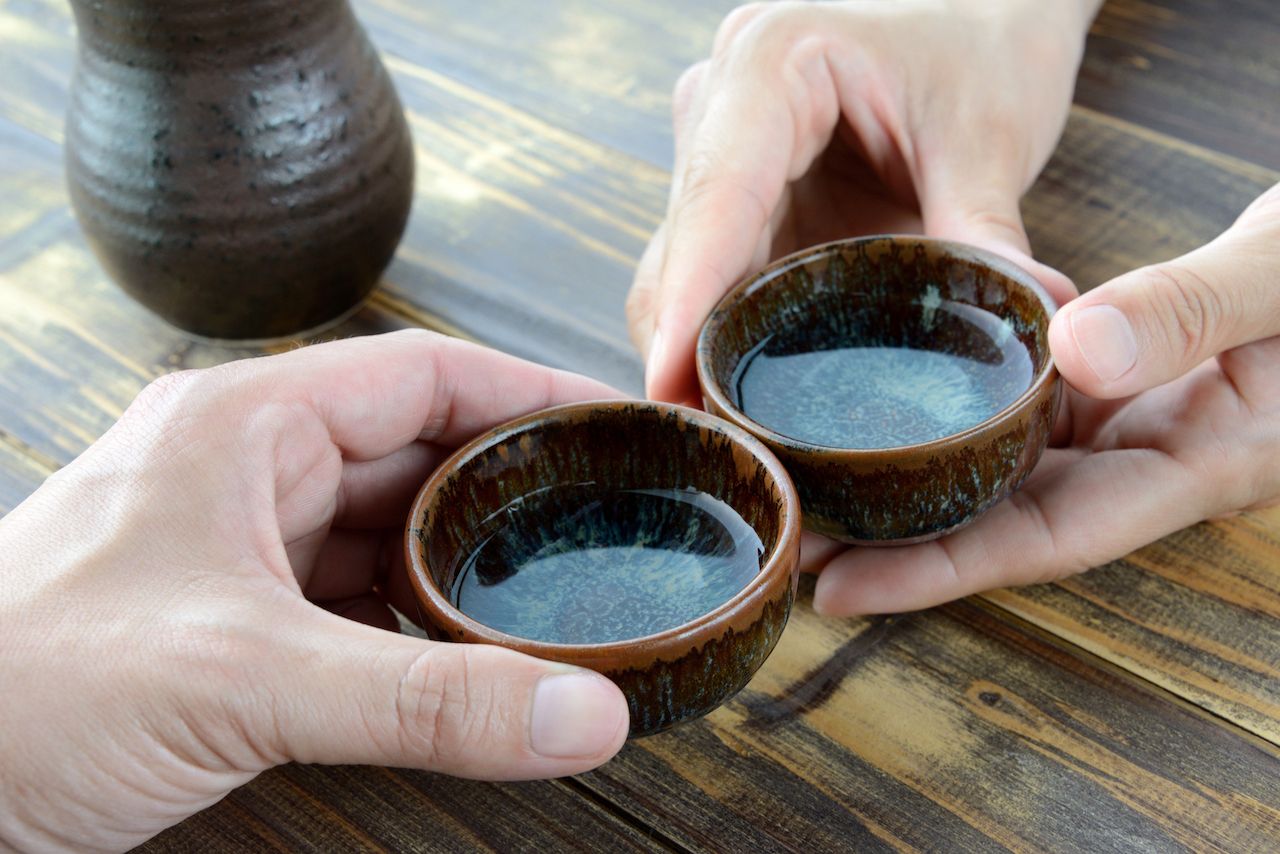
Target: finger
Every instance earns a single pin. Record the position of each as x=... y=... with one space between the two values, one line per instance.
x=1097 y=508
x=772 y=110
x=345 y=693
x=1252 y=372
x=378 y=393
x=686 y=111
x=734 y=23
x=377 y=493
x=816 y=551
x=640 y=319
x=687 y=105
x=979 y=205
x=1155 y=324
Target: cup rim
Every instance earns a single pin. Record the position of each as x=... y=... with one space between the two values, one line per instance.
x=749 y=285
x=448 y=616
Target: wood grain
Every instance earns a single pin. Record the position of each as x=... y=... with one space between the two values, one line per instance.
x=603 y=71
x=522 y=236
x=1196 y=70
x=1197 y=613
x=542 y=143
x=1203 y=71
x=951 y=724
x=300 y=808
x=945 y=728
x=1115 y=197
x=21 y=471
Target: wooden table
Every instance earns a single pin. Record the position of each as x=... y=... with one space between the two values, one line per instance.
x=1135 y=707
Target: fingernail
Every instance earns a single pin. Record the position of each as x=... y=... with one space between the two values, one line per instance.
x=575 y=715
x=655 y=359
x=1106 y=340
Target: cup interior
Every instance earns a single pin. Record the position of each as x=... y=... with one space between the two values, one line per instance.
x=616 y=445
x=883 y=292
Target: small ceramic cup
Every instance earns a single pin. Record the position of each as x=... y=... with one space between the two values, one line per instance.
x=668 y=677
x=908 y=493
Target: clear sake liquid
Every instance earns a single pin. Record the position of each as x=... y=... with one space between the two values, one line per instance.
x=581 y=564
x=851 y=391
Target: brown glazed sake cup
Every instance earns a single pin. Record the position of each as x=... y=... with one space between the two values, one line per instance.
x=909 y=493
x=669 y=677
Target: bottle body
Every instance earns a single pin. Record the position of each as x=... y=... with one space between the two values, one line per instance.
x=245 y=173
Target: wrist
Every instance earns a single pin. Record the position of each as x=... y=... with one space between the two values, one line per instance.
x=1046 y=35
x=1069 y=18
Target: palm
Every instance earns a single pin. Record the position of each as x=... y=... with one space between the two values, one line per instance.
x=1209 y=422
x=1121 y=473
x=841 y=196
x=340 y=522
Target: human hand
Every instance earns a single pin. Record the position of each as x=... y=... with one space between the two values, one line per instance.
x=157 y=645
x=816 y=121
x=1174 y=417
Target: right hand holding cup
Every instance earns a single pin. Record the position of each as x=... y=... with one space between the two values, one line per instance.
x=815 y=121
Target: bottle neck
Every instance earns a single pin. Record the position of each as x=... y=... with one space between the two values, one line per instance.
x=178 y=35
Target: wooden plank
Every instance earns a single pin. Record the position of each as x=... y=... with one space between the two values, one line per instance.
x=1115 y=197
x=313 y=808
x=32 y=179
x=569 y=313
x=603 y=70
x=522 y=234
x=1197 y=613
x=39 y=40
x=521 y=237
x=949 y=725
x=74 y=350
x=1200 y=70
x=21 y=471
x=946 y=725
x=856 y=735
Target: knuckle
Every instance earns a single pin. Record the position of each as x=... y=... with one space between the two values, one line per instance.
x=1264 y=211
x=1050 y=563
x=687 y=86
x=764 y=34
x=418 y=334
x=1190 y=311
x=639 y=305
x=168 y=415
x=169 y=393
x=766 y=42
x=813 y=90
x=993 y=219
x=439 y=713
x=708 y=181
x=711 y=190
x=228 y=725
x=735 y=22
x=703 y=174
x=212 y=649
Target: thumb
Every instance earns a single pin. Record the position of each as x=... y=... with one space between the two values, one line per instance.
x=1152 y=325
x=357 y=694
x=968 y=206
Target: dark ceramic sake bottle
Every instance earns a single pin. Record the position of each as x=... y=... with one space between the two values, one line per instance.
x=243 y=169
